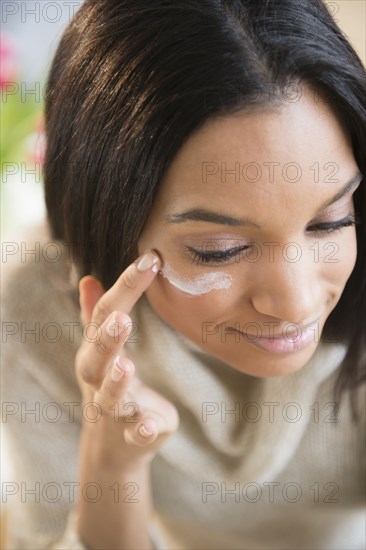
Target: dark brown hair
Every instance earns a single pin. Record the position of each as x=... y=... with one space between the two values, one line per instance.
x=132 y=80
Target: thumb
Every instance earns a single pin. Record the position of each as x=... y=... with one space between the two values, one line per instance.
x=90 y=291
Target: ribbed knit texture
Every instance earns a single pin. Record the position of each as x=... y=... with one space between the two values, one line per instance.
x=240 y=480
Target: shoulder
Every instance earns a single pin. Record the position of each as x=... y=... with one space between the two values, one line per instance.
x=40 y=313
x=33 y=265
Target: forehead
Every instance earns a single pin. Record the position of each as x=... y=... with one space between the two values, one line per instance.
x=283 y=152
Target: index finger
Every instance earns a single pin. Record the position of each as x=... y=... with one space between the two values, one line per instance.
x=129 y=287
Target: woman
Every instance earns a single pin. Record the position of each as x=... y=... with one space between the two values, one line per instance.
x=204 y=182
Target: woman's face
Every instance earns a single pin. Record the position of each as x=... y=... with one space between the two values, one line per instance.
x=246 y=192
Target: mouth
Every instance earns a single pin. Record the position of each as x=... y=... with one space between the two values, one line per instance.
x=283 y=343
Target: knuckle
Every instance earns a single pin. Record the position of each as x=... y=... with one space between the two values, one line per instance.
x=104 y=401
x=128 y=281
x=109 y=391
x=101 y=347
x=101 y=311
x=87 y=374
x=130 y=411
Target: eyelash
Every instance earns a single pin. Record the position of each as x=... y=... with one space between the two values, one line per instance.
x=199 y=257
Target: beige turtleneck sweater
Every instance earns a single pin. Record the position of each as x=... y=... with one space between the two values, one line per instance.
x=255 y=464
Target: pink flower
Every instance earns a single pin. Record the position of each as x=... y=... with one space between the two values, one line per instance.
x=36 y=142
x=8 y=56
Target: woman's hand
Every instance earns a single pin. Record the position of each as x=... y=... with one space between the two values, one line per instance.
x=135 y=420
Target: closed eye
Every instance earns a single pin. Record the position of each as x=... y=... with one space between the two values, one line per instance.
x=222 y=256
x=330 y=227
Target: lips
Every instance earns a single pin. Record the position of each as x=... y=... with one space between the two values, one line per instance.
x=287 y=335
x=284 y=335
x=283 y=345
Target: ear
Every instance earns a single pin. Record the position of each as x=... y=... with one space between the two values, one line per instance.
x=90 y=291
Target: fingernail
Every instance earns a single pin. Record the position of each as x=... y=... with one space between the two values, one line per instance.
x=144 y=432
x=147 y=261
x=119 y=369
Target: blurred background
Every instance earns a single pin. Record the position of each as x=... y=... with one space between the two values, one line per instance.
x=30 y=32
x=29 y=36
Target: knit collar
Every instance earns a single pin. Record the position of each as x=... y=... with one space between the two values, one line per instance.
x=269 y=415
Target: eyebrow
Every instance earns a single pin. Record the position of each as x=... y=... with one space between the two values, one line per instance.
x=201 y=214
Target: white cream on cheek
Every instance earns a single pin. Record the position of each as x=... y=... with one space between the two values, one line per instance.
x=198 y=285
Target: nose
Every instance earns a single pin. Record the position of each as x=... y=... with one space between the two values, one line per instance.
x=290 y=291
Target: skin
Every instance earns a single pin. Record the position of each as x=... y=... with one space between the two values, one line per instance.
x=111 y=450
x=272 y=289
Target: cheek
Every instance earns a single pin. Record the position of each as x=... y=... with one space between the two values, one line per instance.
x=338 y=258
x=184 y=312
